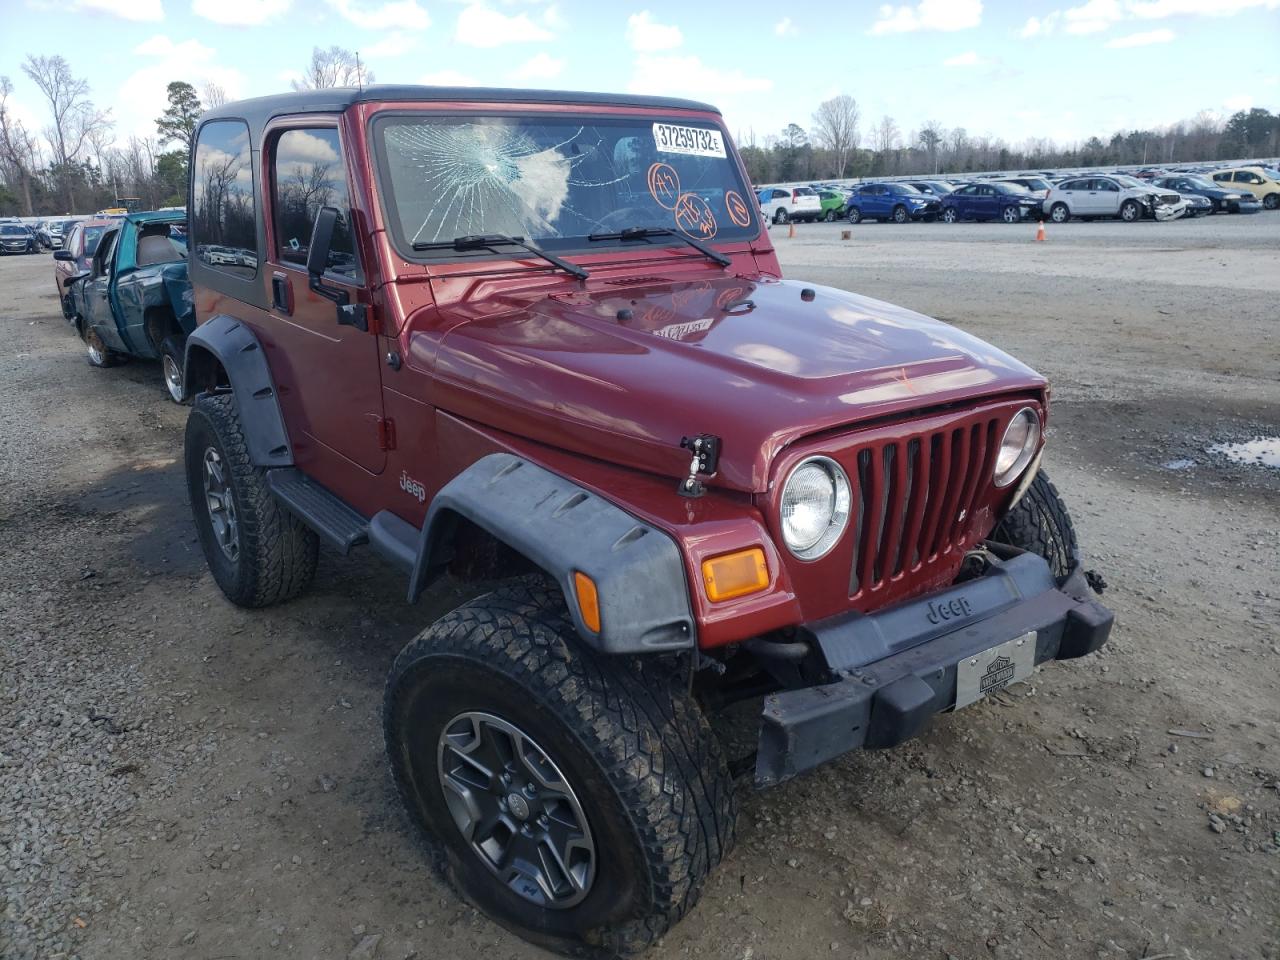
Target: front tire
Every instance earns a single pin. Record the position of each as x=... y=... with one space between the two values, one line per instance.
x=1039 y=523
x=1271 y=201
x=900 y=214
x=620 y=748
x=780 y=216
x=97 y=352
x=949 y=215
x=1010 y=215
x=1130 y=211
x=258 y=552
x=1059 y=213
x=854 y=215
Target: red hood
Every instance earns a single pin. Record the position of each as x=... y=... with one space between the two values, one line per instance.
x=750 y=361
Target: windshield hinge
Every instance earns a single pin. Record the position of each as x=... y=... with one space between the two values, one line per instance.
x=706 y=459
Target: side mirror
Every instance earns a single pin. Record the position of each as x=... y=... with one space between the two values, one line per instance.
x=321 y=241
x=64 y=255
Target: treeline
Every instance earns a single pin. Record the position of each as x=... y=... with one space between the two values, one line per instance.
x=835 y=147
x=77 y=164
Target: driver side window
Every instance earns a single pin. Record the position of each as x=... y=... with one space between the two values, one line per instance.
x=308 y=172
x=106 y=251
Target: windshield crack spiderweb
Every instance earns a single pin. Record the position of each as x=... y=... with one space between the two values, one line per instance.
x=475 y=178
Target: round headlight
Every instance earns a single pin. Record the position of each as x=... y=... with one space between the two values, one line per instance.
x=815 y=507
x=1018 y=446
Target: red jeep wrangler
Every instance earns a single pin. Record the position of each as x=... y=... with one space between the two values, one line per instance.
x=542 y=339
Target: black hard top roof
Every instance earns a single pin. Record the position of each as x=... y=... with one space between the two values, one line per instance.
x=258 y=110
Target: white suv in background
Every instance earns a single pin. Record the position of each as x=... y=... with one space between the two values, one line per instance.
x=780 y=204
x=1111 y=196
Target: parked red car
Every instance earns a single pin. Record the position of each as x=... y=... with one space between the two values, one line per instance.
x=541 y=340
x=81 y=240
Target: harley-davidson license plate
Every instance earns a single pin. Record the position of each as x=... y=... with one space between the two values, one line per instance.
x=995 y=669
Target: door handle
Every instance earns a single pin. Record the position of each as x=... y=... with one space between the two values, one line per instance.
x=282 y=293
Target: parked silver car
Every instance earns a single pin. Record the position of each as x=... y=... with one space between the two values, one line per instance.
x=1114 y=195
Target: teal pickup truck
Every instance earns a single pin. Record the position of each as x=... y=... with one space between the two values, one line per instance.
x=135 y=298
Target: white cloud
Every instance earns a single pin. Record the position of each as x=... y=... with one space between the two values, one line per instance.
x=685 y=75
x=1093 y=16
x=785 y=28
x=1159 y=9
x=159 y=59
x=946 y=15
x=395 y=15
x=648 y=36
x=479 y=26
x=969 y=59
x=541 y=66
x=1040 y=26
x=240 y=13
x=1141 y=39
x=393 y=45
x=448 y=78
x=1235 y=104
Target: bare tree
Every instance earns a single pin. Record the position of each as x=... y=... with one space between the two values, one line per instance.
x=835 y=126
x=335 y=67
x=17 y=148
x=74 y=115
x=213 y=95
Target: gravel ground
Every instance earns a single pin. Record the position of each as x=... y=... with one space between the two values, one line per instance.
x=182 y=778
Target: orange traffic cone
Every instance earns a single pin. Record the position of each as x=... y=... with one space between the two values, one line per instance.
x=1040 y=232
x=791 y=232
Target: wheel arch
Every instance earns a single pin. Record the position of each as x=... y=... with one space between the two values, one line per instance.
x=222 y=352
x=563 y=529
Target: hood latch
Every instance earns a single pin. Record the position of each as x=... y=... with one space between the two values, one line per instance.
x=706 y=459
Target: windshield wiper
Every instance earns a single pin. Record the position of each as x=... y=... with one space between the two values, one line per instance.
x=642 y=233
x=490 y=241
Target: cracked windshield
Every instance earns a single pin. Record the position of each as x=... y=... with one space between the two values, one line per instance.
x=555 y=181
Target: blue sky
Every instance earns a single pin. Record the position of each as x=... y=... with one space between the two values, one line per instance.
x=1009 y=69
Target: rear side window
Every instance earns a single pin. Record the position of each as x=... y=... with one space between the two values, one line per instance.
x=308 y=173
x=223 y=222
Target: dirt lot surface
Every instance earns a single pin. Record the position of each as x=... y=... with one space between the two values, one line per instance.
x=180 y=778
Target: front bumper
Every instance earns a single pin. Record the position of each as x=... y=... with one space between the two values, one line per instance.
x=898 y=667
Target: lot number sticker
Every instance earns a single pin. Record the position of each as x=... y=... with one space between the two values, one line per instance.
x=696 y=141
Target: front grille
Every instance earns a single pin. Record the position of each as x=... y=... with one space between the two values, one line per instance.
x=914 y=498
x=1170 y=197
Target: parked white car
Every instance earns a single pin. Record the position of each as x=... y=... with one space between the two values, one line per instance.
x=1113 y=195
x=781 y=205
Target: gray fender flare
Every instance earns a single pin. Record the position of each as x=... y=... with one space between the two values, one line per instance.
x=236 y=347
x=564 y=528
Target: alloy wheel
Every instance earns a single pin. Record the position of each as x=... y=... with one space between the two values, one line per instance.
x=516 y=810
x=221 y=504
x=172 y=378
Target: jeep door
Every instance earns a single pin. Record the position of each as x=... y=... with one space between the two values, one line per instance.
x=334 y=394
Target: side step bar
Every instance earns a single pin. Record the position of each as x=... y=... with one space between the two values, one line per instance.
x=328 y=515
x=339 y=524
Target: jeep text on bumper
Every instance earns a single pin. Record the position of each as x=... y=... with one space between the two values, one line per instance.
x=901 y=666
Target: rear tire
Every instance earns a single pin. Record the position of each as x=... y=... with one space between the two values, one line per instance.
x=1039 y=523
x=258 y=552
x=617 y=735
x=172 y=359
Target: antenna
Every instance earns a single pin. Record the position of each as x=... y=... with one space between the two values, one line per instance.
x=359 y=72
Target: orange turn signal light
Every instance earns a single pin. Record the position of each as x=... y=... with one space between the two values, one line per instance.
x=735 y=574
x=588 y=600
